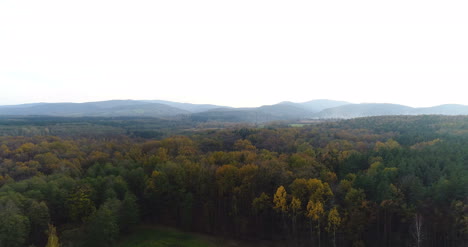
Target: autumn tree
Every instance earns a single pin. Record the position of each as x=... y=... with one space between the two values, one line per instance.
x=334 y=221
x=315 y=212
x=53 y=240
x=280 y=203
x=295 y=211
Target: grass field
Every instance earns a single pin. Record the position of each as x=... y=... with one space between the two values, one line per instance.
x=149 y=236
x=296 y=125
x=158 y=236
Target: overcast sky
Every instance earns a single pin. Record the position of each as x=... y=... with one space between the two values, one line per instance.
x=236 y=53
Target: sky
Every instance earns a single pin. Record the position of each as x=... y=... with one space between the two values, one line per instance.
x=234 y=53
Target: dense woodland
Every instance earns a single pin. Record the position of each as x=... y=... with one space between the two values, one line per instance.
x=378 y=181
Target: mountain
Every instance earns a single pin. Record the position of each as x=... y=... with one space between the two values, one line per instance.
x=364 y=110
x=103 y=108
x=367 y=110
x=21 y=106
x=260 y=114
x=194 y=108
x=142 y=110
x=290 y=111
x=444 y=110
x=316 y=105
x=322 y=104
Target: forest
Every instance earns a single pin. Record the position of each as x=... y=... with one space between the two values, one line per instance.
x=374 y=181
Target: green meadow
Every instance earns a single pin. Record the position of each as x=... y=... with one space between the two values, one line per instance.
x=147 y=236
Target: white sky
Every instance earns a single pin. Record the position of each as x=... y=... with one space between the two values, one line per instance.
x=237 y=53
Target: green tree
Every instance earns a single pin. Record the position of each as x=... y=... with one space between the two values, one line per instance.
x=128 y=213
x=39 y=218
x=14 y=227
x=102 y=228
x=261 y=204
x=79 y=204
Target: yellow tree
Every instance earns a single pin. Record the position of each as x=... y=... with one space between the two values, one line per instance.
x=295 y=210
x=334 y=221
x=53 y=240
x=315 y=212
x=280 y=203
x=319 y=191
x=279 y=200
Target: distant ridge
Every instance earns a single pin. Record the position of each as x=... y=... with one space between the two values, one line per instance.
x=375 y=109
x=449 y=109
x=102 y=108
x=364 y=110
x=317 y=105
x=194 y=108
x=314 y=109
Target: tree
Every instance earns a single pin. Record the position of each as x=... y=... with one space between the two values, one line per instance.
x=295 y=210
x=53 y=240
x=227 y=178
x=246 y=145
x=300 y=188
x=186 y=208
x=280 y=203
x=102 y=229
x=315 y=212
x=320 y=192
x=39 y=218
x=418 y=231
x=80 y=205
x=261 y=204
x=128 y=213
x=460 y=213
x=261 y=207
x=334 y=222
x=14 y=227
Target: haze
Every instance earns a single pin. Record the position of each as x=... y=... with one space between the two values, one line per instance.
x=235 y=53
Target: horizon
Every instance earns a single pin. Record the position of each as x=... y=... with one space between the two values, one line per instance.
x=284 y=101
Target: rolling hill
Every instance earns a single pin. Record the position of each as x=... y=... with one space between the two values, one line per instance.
x=317 y=105
x=193 y=108
x=374 y=109
x=444 y=110
x=103 y=108
x=290 y=111
x=364 y=110
x=253 y=115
